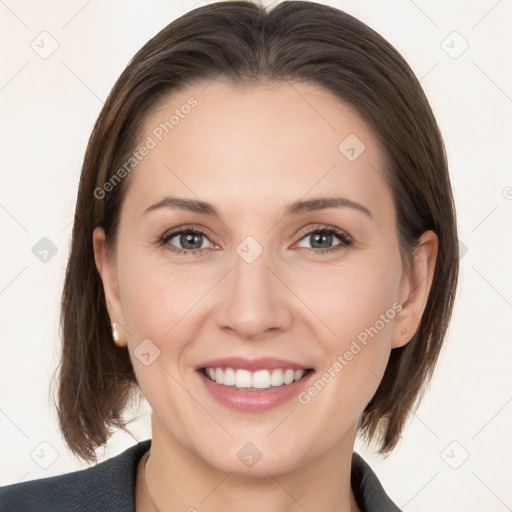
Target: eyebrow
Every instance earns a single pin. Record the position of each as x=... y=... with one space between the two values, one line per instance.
x=295 y=208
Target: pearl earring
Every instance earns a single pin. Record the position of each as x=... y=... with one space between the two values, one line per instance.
x=115 y=333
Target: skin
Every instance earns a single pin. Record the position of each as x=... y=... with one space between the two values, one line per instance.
x=251 y=151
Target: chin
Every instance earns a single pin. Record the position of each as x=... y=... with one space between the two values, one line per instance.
x=248 y=460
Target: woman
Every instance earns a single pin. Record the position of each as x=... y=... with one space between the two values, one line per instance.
x=234 y=139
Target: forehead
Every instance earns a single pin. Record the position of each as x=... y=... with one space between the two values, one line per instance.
x=248 y=146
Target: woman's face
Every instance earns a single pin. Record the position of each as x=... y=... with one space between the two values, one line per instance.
x=258 y=278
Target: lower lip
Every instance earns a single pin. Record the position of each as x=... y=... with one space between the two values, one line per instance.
x=254 y=401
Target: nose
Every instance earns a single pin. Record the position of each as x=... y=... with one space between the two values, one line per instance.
x=255 y=302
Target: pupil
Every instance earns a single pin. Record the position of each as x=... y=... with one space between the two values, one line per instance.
x=319 y=236
x=189 y=238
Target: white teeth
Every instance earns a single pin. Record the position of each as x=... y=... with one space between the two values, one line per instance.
x=229 y=377
x=288 y=376
x=261 y=379
x=243 y=379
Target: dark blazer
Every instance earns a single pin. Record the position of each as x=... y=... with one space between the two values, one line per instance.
x=109 y=486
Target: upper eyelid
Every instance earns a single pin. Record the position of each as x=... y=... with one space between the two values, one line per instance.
x=184 y=229
x=323 y=227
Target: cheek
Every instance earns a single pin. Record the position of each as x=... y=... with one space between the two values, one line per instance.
x=164 y=303
x=359 y=308
x=358 y=304
x=155 y=301
x=354 y=298
x=156 y=304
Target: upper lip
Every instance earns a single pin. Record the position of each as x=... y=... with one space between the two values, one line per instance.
x=261 y=363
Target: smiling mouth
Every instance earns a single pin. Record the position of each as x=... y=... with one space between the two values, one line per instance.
x=254 y=381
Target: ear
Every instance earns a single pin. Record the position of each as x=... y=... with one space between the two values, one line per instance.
x=415 y=289
x=108 y=272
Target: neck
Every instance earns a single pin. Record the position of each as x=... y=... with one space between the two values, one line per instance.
x=176 y=479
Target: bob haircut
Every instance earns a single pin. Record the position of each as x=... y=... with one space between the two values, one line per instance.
x=247 y=44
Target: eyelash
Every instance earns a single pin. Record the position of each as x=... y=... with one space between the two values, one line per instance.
x=345 y=239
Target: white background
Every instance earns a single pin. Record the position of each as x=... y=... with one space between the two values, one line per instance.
x=48 y=108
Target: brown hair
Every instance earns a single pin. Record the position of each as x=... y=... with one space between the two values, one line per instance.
x=248 y=44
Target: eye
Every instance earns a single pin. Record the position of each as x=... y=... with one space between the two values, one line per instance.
x=323 y=236
x=195 y=241
x=192 y=241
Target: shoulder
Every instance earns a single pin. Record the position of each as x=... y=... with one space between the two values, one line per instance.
x=369 y=493
x=107 y=486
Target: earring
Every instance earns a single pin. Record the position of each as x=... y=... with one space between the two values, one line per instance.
x=403 y=332
x=115 y=333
